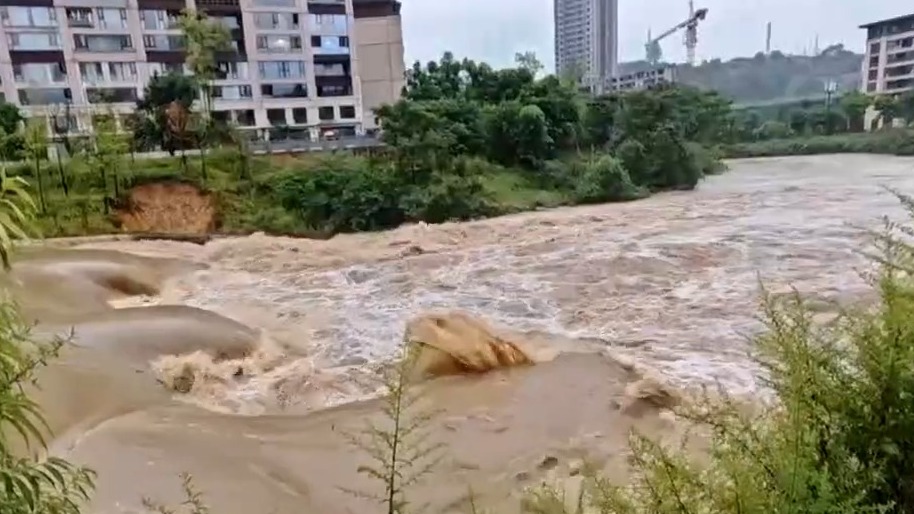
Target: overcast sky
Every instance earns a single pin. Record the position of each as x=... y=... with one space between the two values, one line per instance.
x=493 y=30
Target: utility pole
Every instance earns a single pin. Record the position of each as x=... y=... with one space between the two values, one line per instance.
x=768 y=39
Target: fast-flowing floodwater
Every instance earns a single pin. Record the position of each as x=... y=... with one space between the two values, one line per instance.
x=270 y=329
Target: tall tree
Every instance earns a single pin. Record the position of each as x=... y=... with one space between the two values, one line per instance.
x=10 y=121
x=888 y=108
x=906 y=107
x=854 y=104
x=110 y=146
x=159 y=95
x=36 y=146
x=529 y=62
x=205 y=37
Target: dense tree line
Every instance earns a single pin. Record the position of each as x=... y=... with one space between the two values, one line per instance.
x=459 y=120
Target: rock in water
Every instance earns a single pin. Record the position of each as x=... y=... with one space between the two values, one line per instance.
x=457 y=343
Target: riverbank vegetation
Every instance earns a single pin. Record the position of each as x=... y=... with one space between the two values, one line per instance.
x=896 y=141
x=465 y=141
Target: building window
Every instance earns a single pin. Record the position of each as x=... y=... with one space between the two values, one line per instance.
x=276 y=20
x=91 y=72
x=99 y=43
x=44 y=96
x=325 y=113
x=111 y=18
x=232 y=92
x=347 y=112
x=284 y=90
x=163 y=42
x=245 y=118
x=40 y=73
x=278 y=43
x=330 y=44
x=228 y=70
x=274 y=3
x=159 y=19
x=122 y=71
x=33 y=41
x=300 y=115
x=276 y=116
x=16 y=16
x=281 y=69
x=329 y=24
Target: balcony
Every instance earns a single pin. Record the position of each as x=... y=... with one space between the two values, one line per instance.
x=159 y=19
x=339 y=69
x=40 y=74
x=103 y=44
x=284 y=90
x=111 y=95
x=45 y=96
x=277 y=21
x=333 y=86
x=80 y=18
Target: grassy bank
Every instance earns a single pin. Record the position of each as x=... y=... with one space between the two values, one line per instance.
x=318 y=195
x=885 y=142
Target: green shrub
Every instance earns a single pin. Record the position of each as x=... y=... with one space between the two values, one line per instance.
x=603 y=179
x=347 y=194
x=707 y=159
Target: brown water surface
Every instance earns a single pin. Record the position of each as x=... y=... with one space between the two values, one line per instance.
x=226 y=360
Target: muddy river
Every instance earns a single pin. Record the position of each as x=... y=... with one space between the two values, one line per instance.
x=242 y=361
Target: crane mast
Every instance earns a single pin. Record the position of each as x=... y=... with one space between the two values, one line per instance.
x=691 y=33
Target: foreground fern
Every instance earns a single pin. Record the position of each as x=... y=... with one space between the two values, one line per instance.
x=30 y=484
x=839 y=440
x=400 y=449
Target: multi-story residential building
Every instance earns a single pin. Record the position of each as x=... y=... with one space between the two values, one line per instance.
x=587 y=40
x=643 y=79
x=888 y=66
x=313 y=66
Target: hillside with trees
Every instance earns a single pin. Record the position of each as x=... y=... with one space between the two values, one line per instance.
x=777 y=76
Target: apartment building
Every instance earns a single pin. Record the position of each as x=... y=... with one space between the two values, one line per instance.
x=888 y=66
x=294 y=64
x=587 y=40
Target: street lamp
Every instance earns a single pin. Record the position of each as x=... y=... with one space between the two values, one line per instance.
x=831 y=87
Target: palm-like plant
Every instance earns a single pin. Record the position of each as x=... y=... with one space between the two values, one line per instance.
x=31 y=484
x=17 y=213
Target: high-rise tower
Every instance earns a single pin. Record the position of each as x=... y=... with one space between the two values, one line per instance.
x=587 y=40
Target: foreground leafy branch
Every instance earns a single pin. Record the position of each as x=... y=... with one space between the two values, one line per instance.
x=400 y=448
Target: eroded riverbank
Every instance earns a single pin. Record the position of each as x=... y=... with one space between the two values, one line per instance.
x=669 y=282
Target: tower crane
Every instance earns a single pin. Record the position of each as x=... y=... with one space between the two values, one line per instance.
x=691 y=35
